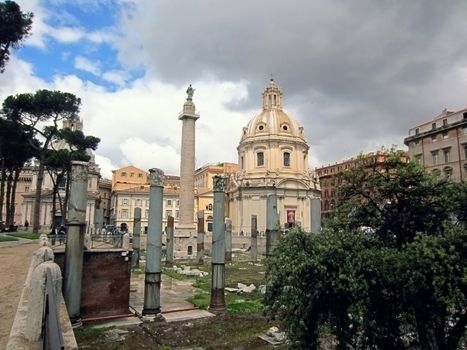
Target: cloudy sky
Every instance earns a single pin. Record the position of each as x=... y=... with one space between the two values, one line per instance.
x=355 y=74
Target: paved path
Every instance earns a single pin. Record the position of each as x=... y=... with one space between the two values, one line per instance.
x=15 y=257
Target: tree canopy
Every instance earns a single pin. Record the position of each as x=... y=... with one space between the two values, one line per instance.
x=388 y=272
x=33 y=111
x=14 y=28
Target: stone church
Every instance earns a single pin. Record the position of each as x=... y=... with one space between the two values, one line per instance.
x=273 y=159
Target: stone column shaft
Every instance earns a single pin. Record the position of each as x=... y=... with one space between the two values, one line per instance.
x=170 y=241
x=152 y=282
x=218 y=245
x=187 y=171
x=272 y=222
x=315 y=215
x=136 y=236
x=76 y=226
x=254 y=239
x=228 y=240
x=200 y=238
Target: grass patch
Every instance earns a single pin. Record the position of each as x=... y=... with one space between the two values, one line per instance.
x=7 y=238
x=25 y=235
x=241 y=306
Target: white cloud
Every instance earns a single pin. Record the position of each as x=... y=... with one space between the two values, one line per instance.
x=66 y=34
x=106 y=166
x=87 y=65
x=118 y=77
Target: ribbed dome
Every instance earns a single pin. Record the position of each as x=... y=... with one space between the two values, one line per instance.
x=272 y=120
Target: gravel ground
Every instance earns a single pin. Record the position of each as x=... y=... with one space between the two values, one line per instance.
x=14 y=264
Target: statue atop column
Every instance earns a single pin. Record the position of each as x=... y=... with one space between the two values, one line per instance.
x=190 y=91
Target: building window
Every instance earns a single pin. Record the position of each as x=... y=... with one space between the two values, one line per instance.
x=138 y=202
x=436 y=172
x=445 y=135
x=132 y=174
x=286 y=159
x=124 y=201
x=26 y=188
x=260 y=159
x=418 y=159
x=433 y=126
x=124 y=213
x=465 y=130
x=123 y=174
x=417 y=131
x=445 y=122
x=146 y=213
x=433 y=138
x=447 y=155
x=447 y=173
x=140 y=175
x=465 y=152
x=177 y=203
x=434 y=155
x=190 y=250
x=169 y=202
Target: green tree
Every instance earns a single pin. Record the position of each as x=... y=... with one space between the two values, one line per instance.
x=388 y=272
x=47 y=108
x=15 y=151
x=14 y=28
x=74 y=145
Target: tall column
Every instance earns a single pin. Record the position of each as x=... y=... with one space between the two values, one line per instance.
x=315 y=214
x=136 y=236
x=254 y=239
x=170 y=241
x=218 y=245
x=272 y=221
x=187 y=161
x=200 y=238
x=228 y=240
x=152 y=281
x=76 y=226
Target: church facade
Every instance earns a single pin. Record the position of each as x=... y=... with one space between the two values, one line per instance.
x=273 y=159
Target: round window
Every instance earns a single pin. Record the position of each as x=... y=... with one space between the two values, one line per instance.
x=285 y=128
x=261 y=127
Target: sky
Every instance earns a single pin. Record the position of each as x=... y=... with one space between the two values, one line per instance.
x=355 y=74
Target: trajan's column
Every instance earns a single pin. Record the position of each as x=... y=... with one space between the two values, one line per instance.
x=185 y=232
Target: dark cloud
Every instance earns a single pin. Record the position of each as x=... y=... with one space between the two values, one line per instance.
x=357 y=73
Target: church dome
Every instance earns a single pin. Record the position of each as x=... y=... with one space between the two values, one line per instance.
x=272 y=120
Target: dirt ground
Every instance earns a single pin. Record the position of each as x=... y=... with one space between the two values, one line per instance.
x=14 y=264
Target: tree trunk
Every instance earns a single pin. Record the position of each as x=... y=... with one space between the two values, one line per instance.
x=37 y=199
x=13 y=195
x=67 y=193
x=2 y=186
x=8 y=198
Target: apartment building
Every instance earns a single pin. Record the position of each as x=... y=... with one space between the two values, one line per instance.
x=440 y=145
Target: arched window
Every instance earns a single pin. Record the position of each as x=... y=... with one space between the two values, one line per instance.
x=447 y=172
x=260 y=159
x=286 y=159
x=326 y=205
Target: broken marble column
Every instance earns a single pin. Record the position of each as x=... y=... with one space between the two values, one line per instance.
x=228 y=240
x=272 y=224
x=218 y=245
x=200 y=238
x=315 y=215
x=152 y=281
x=136 y=237
x=254 y=239
x=76 y=226
x=169 y=258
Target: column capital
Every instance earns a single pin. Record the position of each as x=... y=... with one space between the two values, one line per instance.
x=156 y=177
x=220 y=183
